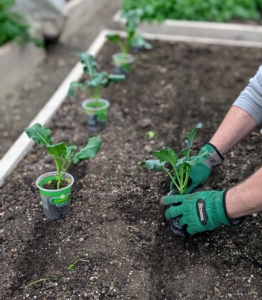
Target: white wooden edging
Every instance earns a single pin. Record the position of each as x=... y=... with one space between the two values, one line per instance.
x=23 y=144
x=189 y=39
x=225 y=31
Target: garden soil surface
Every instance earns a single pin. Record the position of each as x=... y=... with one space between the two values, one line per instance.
x=116 y=222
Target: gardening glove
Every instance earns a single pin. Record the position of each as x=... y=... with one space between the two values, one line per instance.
x=201 y=171
x=200 y=211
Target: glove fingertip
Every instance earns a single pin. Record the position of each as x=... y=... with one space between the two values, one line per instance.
x=167 y=200
x=168 y=215
x=190 y=188
x=162 y=201
x=182 y=221
x=173 y=212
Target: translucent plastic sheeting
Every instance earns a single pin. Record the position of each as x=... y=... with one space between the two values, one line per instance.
x=41 y=9
x=49 y=15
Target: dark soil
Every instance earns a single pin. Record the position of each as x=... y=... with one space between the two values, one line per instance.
x=52 y=185
x=116 y=221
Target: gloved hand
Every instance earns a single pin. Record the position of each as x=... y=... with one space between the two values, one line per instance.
x=201 y=171
x=200 y=211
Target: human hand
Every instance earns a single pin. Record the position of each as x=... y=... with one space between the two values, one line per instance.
x=201 y=211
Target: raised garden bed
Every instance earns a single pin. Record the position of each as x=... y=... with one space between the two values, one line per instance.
x=116 y=221
x=223 y=31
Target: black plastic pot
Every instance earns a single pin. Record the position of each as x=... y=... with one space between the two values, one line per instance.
x=174 y=223
x=96 y=116
x=123 y=63
x=56 y=203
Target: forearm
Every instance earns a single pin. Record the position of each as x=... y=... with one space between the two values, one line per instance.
x=244 y=116
x=245 y=198
x=236 y=126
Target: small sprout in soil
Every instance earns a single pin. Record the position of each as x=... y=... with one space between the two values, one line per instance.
x=151 y=134
x=40 y=280
x=179 y=167
x=70 y=267
x=133 y=19
x=62 y=154
x=94 y=86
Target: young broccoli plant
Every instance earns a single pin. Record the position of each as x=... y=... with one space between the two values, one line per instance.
x=178 y=169
x=62 y=154
x=94 y=86
x=133 y=19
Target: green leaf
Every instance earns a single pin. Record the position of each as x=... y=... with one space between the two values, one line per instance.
x=154 y=165
x=133 y=19
x=116 y=78
x=181 y=170
x=69 y=151
x=181 y=166
x=180 y=161
x=73 y=87
x=99 y=79
x=184 y=152
x=58 y=150
x=192 y=135
x=89 y=63
x=167 y=155
x=139 y=41
x=147 y=45
x=39 y=134
x=192 y=162
x=89 y=151
x=113 y=37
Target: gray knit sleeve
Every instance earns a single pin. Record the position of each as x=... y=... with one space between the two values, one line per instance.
x=250 y=99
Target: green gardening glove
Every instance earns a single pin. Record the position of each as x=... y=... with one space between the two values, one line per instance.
x=200 y=211
x=201 y=171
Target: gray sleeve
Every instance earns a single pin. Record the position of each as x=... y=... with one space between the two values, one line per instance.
x=250 y=99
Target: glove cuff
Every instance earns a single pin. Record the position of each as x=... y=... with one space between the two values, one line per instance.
x=215 y=158
x=232 y=222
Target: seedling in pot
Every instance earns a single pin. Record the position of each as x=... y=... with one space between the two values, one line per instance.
x=55 y=187
x=62 y=154
x=124 y=59
x=177 y=168
x=95 y=107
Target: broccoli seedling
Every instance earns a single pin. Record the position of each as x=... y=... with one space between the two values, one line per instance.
x=133 y=19
x=94 y=86
x=62 y=154
x=179 y=168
